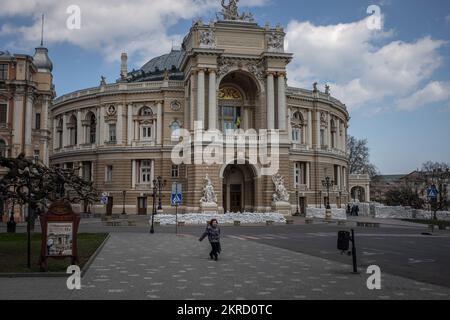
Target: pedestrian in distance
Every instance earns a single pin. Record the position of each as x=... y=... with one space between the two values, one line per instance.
x=213 y=233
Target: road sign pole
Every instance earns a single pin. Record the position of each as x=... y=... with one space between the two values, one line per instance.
x=176 y=219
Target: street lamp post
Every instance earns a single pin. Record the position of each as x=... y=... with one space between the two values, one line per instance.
x=160 y=185
x=328 y=183
x=297 y=213
x=124 y=193
x=155 y=189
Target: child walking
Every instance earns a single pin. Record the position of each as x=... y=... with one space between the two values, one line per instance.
x=213 y=234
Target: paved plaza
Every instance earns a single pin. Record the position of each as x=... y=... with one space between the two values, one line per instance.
x=166 y=266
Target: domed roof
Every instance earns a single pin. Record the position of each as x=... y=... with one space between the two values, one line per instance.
x=170 y=61
x=160 y=67
x=42 y=61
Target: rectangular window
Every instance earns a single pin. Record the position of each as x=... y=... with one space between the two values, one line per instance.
x=36 y=155
x=3 y=72
x=112 y=133
x=37 y=125
x=322 y=137
x=109 y=174
x=69 y=165
x=87 y=171
x=146 y=172
x=3 y=112
x=175 y=171
x=146 y=133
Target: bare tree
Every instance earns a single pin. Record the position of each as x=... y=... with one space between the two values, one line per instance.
x=431 y=166
x=359 y=157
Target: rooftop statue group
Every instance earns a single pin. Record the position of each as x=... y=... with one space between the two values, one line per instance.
x=230 y=12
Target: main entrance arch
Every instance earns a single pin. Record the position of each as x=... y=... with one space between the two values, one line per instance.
x=239 y=188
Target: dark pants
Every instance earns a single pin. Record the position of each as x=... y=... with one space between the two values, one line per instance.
x=215 y=249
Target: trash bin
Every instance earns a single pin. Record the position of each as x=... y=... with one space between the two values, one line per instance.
x=343 y=240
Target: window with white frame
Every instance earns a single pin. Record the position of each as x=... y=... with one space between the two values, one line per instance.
x=297 y=127
x=175 y=171
x=146 y=172
x=147 y=131
x=3 y=114
x=175 y=130
x=2 y=148
x=112 y=133
x=109 y=174
x=3 y=71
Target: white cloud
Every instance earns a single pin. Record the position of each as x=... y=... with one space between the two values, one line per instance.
x=433 y=92
x=362 y=66
x=139 y=27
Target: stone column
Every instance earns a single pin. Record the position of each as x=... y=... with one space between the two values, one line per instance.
x=55 y=134
x=212 y=101
x=79 y=129
x=338 y=134
x=192 y=103
x=136 y=131
x=310 y=129
x=64 y=132
x=119 y=127
x=100 y=127
x=133 y=175
x=308 y=175
x=246 y=119
x=329 y=132
x=152 y=174
x=130 y=129
x=28 y=125
x=201 y=97
x=318 y=130
x=339 y=177
x=159 y=123
x=44 y=113
x=281 y=102
x=289 y=125
x=270 y=102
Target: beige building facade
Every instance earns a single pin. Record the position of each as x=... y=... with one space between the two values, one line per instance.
x=228 y=75
x=26 y=93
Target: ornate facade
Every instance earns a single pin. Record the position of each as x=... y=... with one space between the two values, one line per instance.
x=26 y=92
x=229 y=74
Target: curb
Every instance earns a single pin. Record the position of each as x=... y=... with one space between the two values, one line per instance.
x=94 y=256
x=57 y=274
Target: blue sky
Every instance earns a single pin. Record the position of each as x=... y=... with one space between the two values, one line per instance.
x=395 y=81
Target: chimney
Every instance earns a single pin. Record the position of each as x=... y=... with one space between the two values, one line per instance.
x=123 y=66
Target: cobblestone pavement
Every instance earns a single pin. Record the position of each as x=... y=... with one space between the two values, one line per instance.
x=164 y=266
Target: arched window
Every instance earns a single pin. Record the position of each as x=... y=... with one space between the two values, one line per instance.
x=2 y=148
x=146 y=112
x=297 y=128
x=175 y=130
x=333 y=134
x=73 y=130
x=147 y=125
x=92 y=128
x=60 y=133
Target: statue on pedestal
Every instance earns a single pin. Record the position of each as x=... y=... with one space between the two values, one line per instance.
x=209 y=195
x=281 y=194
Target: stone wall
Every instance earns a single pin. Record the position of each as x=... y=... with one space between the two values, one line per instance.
x=379 y=211
x=337 y=214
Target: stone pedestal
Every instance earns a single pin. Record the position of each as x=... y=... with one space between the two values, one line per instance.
x=283 y=208
x=328 y=215
x=209 y=208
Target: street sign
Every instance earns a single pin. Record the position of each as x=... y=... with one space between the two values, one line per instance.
x=104 y=198
x=177 y=195
x=432 y=192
